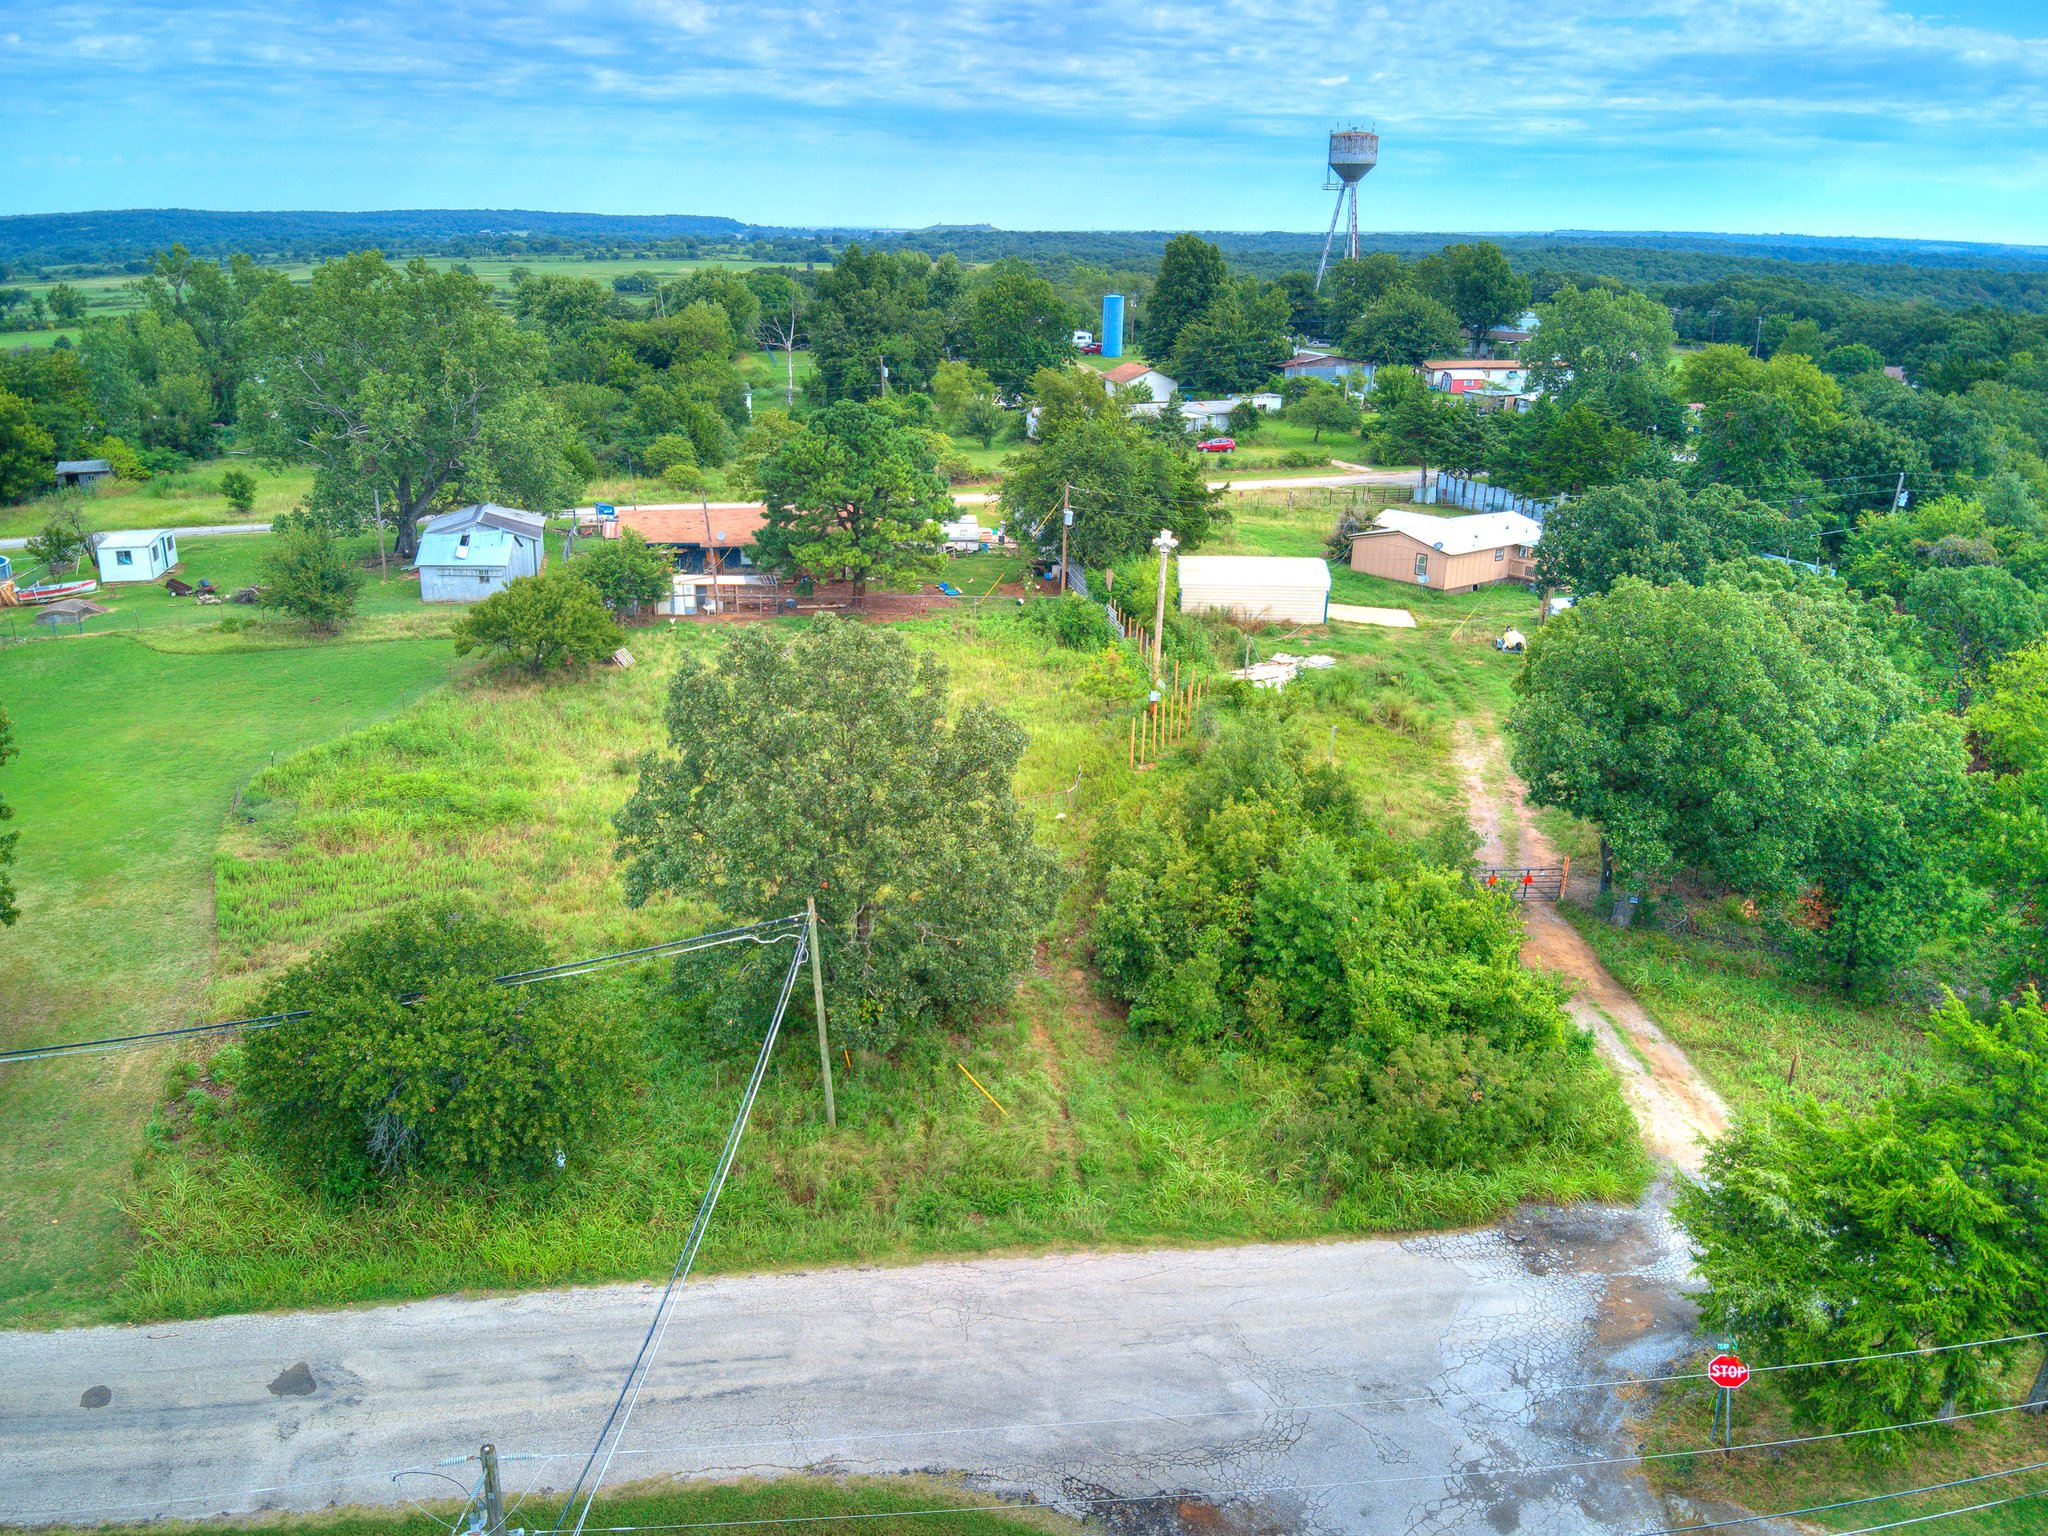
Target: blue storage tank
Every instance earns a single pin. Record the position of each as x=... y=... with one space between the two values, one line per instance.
x=1112 y=325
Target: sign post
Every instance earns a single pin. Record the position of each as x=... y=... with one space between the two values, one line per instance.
x=1727 y=1372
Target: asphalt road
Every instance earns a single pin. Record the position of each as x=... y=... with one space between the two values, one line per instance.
x=1424 y=1387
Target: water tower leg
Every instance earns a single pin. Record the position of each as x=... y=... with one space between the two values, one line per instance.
x=1335 y=214
x=1351 y=235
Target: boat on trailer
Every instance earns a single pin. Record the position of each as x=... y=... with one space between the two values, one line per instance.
x=50 y=592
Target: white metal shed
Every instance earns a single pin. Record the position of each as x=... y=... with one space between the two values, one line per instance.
x=1291 y=588
x=135 y=554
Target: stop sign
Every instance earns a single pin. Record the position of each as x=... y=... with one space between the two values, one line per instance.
x=1727 y=1371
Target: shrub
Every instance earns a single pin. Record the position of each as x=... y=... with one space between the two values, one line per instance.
x=307 y=576
x=1072 y=621
x=412 y=1061
x=550 y=620
x=239 y=487
x=1251 y=904
x=127 y=463
x=624 y=573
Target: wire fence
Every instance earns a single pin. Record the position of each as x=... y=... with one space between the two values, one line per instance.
x=131 y=614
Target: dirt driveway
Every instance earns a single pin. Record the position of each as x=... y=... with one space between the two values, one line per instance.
x=1677 y=1109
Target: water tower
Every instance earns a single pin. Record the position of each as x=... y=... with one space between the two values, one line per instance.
x=1352 y=154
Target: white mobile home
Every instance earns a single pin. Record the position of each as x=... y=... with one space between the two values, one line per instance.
x=135 y=554
x=1291 y=588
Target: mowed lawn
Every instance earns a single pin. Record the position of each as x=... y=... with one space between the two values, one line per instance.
x=185 y=498
x=130 y=761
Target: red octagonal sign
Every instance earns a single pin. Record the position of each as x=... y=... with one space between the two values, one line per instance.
x=1727 y=1371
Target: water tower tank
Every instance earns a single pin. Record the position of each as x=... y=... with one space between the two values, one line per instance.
x=1352 y=154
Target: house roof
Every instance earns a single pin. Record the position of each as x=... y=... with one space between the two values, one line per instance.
x=486 y=549
x=488 y=514
x=84 y=467
x=1211 y=571
x=1459 y=535
x=726 y=525
x=1124 y=373
x=1487 y=364
x=128 y=538
x=1320 y=360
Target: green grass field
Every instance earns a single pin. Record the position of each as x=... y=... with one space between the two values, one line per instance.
x=1743 y=1021
x=130 y=761
x=390 y=604
x=285 y=825
x=189 y=498
x=503 y=791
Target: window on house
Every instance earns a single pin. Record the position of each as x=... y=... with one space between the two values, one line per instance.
x=1501 y=553
x=1421 y=566
x=124 y=557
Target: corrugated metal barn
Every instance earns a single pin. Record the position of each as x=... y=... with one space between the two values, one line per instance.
x=1291 y=588
x=468 y=554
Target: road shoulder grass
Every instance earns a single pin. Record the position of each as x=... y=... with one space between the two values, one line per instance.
x=879 y=1506
x=1757 y=1033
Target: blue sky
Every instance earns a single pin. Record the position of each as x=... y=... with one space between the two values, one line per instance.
x=1829 y=116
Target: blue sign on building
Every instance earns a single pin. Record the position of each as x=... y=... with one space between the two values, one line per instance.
x=605 y=509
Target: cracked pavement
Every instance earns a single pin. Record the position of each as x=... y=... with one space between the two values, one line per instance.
x=1380 y=1386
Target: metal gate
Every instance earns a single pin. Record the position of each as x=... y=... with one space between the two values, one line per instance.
x=1526 y=882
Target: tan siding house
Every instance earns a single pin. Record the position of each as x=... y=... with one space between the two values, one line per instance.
x=1450 y=554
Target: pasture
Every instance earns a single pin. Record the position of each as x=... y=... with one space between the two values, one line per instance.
x=186 y=498
x=313 y=785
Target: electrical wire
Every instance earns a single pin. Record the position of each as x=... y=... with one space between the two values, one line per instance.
x=777 y=929
x=1584 y=1463
x=1868 y=1498
x=1942 y=1514
x=613 y=1429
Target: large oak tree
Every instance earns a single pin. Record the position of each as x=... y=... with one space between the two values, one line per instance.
x=404 y=387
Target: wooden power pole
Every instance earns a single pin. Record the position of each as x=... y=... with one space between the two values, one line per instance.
x=818 y=999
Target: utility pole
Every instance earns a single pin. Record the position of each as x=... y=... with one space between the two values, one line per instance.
x=1899 y=492
x=494 y=1494
x=1166 y=544
x=818 y=999
x=1066 y=523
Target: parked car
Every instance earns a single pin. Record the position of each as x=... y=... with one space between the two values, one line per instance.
x=1217 y=444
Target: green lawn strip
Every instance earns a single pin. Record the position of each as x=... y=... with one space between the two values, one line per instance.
x=1741 y=1019
x=389 y=606
x=185 y=499
x=130 y=758
x=892 y=1506
x=503 y=791
x=1823 y=1472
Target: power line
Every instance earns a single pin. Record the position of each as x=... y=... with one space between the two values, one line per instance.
x=1868 y=1498
x=775 y=930
x=614 y=1427
x=1299 y=1488
x=1942 y=1514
